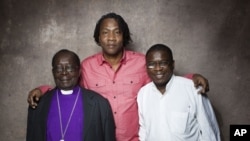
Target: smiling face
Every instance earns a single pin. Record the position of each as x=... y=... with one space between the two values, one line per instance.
x=160 y=67
x=65 y=70
x=111 y=37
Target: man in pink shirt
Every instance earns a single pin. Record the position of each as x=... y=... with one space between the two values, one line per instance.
x=117 y=74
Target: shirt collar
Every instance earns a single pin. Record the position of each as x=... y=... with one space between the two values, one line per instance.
x=168 y=86
x=170 y=82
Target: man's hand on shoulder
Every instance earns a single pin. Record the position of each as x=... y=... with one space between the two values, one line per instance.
x=200 y=80
x=34 y=97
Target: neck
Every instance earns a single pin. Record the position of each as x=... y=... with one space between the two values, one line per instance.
x=162 y=89
x=113 y=59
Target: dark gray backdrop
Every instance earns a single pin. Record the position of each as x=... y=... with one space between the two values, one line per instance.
x=210 y=37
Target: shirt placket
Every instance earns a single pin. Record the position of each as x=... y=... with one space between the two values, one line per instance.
x=114 y=89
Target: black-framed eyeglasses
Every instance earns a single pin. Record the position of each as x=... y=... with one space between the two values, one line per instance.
x=68 y=69
x=161 y=64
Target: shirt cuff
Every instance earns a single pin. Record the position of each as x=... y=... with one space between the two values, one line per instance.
x=44 y=88
x=189 y=76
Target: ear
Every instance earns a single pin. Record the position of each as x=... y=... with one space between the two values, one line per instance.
x=98 y=43
x=53 y=72
x=79 y=76
x=173 y=65
x=80 y=72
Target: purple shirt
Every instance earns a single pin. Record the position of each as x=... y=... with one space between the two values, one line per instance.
x=119 y=87
x=75 y=128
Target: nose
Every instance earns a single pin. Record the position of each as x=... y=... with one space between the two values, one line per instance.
x=158 y=66
x=111 y=36
x=64 y=71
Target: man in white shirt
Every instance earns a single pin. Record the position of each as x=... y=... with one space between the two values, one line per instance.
x=170 y=108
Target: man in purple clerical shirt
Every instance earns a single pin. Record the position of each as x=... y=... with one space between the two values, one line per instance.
x=69 y=112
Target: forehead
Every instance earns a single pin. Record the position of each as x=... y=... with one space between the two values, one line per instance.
x=157 y=55
x=109 y=23
x=62 y=58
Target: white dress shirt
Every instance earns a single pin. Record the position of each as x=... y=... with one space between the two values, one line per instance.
x=180 y=114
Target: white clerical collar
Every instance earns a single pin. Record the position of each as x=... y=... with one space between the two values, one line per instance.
x=67 y=92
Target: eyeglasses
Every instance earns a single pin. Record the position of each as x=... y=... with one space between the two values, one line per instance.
x=68 y=69
x=161 y=64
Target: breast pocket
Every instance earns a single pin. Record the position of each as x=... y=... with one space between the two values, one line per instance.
x=178 y=122
x=131 y=86
x=98 y=86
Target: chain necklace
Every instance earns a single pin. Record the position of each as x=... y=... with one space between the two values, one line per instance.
x=60 y=115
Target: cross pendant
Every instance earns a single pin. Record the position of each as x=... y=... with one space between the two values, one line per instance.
x=61 y=139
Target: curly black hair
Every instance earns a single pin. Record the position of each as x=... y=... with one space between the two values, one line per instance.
x=121 y=23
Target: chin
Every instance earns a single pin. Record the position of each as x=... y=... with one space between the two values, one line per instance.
x=66 y=87
x=160 y=83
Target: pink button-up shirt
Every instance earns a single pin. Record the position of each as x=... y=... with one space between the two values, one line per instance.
x=119 y=87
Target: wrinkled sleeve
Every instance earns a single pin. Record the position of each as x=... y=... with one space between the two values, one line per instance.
x=207 y=120
x=142 y=129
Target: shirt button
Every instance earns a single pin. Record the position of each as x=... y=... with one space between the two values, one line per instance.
x=131 y=82
x=114 y=96
x=113 y=82
x=114 y=112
